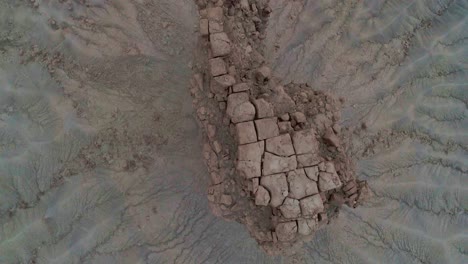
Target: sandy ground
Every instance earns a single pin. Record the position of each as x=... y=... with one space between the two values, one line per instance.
x=100 y=154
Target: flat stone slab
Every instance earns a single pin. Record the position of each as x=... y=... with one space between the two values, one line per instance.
x=249 y=158
x=300 y=185
x=305 y=142
x=290 y=208
x=277 y=186
x=311 y=205
x=280 y=145
x=220 y=44
x=204 y=27
x=239 y=109
x=286 y=231
x=262 y=196
x=267 y=128
x=246 y=132
x=274 y=164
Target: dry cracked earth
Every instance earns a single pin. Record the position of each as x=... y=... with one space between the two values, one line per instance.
x=101 y=152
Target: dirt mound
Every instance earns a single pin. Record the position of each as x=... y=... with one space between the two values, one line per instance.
x=277 y=155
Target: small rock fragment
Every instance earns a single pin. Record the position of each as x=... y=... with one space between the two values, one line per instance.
x=263 y=74
x=305 y=142
x=267 y=128
x=278 y=187
x=264 y=108
x=220 y=44
x=299 y=117
x=286 y=231
x=226 y=199
x=274 y=164
x=290 y=208
x=280 y=145
x=284 y=117
x=262 y=196
x=311 y=205
x=246 y=132
x=217 y=67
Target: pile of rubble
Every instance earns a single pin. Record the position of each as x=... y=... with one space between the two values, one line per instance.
x=276 y=154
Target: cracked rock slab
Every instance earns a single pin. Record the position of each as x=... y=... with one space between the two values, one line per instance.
x=264 y=108
x=246 y=132
x=306 y=227
x=273 y=164
x=249 y=159
x=312 y=172
x=300 y=185
x=311 y=205
x=267 y=128
x=262 y=196
x=305 y=142
x=290 y=208
x=328 y=181
x=286 y=231
x=217 y=67
x=280 y=145
x=277 y=186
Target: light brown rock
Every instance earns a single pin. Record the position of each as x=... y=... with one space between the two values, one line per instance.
x=306 y=227
x=262 y=196
x=204 y=27
x=285 y=127
x=328 y=181
x=267 y=128
x=225 y=80
x=311 y=205
x=220 y=44
x=307 y=160
x=274 y=164
x=290 y=208
x=286 y=231
x=312 y=172
x=226 y=199
x=264 y=108
x=299 y=117
x=280 y=145
x=215 y=27
x=246 y=132
x=277 y=186
x=217 y=67
x=300 y=185
x=284 y=117
x=263 y=74
x=215 y=14
x=249 y=159
x=305 y=142
x=216 y=177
